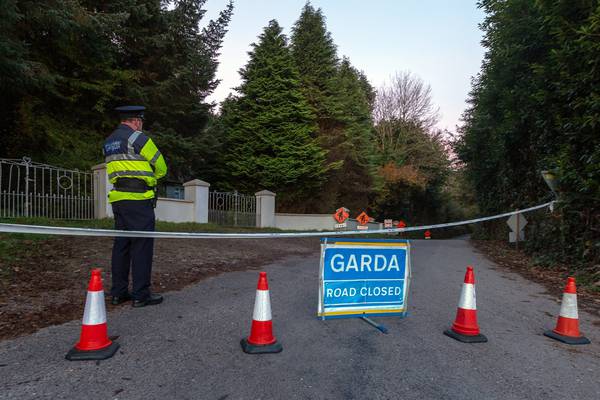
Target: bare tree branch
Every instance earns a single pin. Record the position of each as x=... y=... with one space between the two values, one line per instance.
x=402 y=105
x=407 y=99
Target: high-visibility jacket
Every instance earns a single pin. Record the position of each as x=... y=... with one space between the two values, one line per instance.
x=131 y=154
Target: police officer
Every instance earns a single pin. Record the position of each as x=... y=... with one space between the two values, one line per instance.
x=134 y=165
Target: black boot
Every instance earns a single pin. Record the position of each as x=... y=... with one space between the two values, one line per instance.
x=151 y=300
x=116 y=300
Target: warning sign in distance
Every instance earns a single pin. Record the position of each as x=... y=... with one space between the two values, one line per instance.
x=363 y=218
x=341 y=215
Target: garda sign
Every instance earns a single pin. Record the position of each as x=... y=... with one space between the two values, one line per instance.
x=363 y=277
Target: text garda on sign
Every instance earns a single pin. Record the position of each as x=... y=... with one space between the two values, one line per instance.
x=363 y=277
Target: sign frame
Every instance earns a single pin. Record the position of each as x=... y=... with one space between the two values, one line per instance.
x=398 y=309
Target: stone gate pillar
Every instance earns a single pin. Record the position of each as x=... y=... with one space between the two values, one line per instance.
x=102 y=186
x=265 y=209
x=197 y=192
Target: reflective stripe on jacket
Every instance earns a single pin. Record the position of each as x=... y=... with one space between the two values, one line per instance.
x=131 y=154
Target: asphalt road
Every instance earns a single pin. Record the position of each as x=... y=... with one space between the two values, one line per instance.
x=188 y=347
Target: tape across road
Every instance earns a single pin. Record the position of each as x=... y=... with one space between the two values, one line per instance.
x=54 y=230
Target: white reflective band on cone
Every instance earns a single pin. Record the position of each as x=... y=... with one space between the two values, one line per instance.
x=467 y=297
x=568 y=307
x=262 y=306
x=95 y=312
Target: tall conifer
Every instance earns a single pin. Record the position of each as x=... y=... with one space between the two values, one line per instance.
x=315 y=56
x=270 y=126
x=65 y=64
x=342 y=101
x=353 y=183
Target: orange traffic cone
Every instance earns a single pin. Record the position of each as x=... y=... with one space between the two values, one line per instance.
x=427 y=235
x=567 y=326
x=94 y=343
x=261 y=339
x=465 y=328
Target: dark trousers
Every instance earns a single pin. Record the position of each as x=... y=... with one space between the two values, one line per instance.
x=132 y=253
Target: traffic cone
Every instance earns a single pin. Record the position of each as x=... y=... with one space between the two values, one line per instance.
x=567 y=326
x=261 y=339
x=427 y=235
x=465 y=328
x=94 y=343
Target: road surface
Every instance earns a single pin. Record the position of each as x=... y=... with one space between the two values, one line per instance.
x=188 y=347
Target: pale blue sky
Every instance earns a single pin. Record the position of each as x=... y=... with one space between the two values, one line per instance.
x=435 y=39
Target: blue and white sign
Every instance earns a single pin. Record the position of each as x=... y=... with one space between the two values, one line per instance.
x=363 y=277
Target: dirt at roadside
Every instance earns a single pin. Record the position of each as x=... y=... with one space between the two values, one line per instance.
x=48 y=286
x=553 y=279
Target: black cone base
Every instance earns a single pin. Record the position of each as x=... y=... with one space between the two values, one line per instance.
x=102 y=354
x=254 y=349
x=567 y=339
x=465 y=338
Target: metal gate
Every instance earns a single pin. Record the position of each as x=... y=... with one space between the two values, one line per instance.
x=29 y=189
x=231 y=209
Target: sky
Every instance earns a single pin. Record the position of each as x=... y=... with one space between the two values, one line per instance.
x=437 y=40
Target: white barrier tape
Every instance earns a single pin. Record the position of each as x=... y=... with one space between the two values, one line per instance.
x=52 y=230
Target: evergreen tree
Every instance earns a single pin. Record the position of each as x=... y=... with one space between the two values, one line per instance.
x=341 y=98
x=62 y=78
x=315 y=56
x=535 y=106
x=14 y=68
x=176 y=65
x=270 y=126
x=351 y=144
x=14 y=64
x=502 y=120
x=66 y=64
